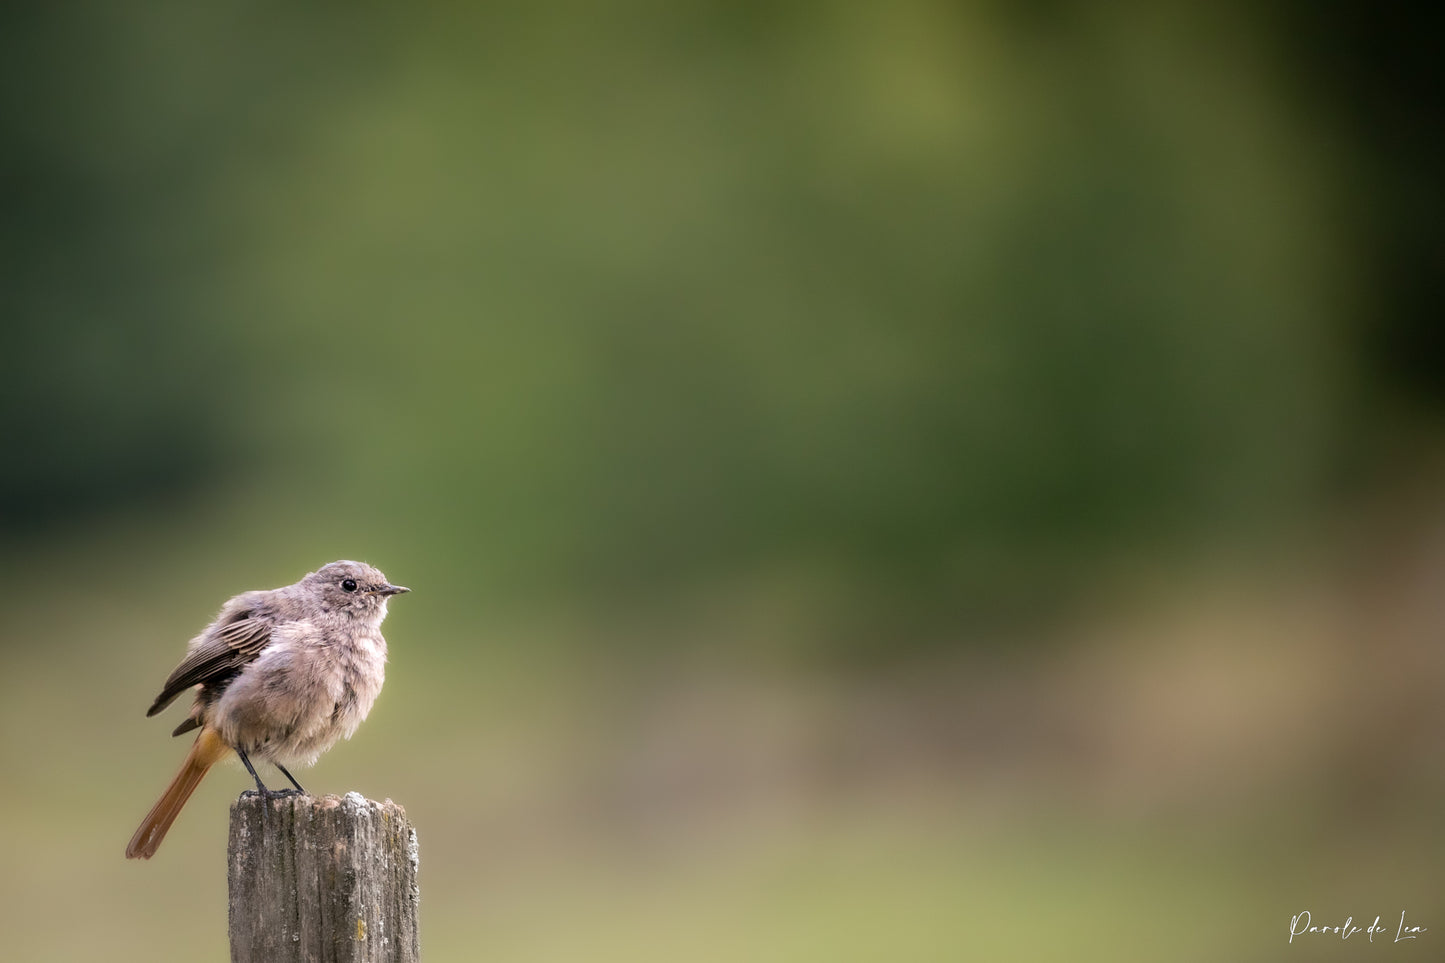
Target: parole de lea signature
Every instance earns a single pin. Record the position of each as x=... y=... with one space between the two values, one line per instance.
x=1302 y=925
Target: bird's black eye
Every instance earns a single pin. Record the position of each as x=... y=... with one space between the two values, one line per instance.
x=348 y=585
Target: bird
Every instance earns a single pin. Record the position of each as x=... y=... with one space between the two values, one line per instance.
x=280 y=675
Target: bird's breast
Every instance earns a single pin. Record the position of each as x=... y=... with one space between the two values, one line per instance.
x=363 y=669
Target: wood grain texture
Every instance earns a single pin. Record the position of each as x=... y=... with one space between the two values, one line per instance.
x=322 y=880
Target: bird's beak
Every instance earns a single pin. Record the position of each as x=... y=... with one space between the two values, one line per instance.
x=390 y=590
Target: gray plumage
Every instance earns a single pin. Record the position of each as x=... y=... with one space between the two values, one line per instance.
x=285 y=673
x=280 y=675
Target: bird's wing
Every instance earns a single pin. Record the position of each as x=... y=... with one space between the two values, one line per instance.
x=217 y=656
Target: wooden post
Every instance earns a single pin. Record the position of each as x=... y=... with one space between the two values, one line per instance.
x=328 y=880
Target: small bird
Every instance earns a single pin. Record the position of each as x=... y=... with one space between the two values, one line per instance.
x=280 y=675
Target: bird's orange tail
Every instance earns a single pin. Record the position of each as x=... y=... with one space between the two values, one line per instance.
x=207 y=750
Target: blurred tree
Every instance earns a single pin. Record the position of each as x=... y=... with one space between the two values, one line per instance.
x=1374 y=76
x=921 y=292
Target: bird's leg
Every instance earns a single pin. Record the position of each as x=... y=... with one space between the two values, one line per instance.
x=245 y=761
x=292 y=778
x=261 y=786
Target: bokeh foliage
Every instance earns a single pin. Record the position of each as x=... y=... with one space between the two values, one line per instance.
x=627 y=296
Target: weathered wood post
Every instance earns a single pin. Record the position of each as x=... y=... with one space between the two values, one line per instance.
x=322 y=880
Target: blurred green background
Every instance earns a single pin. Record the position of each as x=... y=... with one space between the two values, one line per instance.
x=915 y=481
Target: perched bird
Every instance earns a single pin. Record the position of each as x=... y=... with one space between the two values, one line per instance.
x=280 y=675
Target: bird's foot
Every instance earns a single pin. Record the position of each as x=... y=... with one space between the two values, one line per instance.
x=271 y=793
